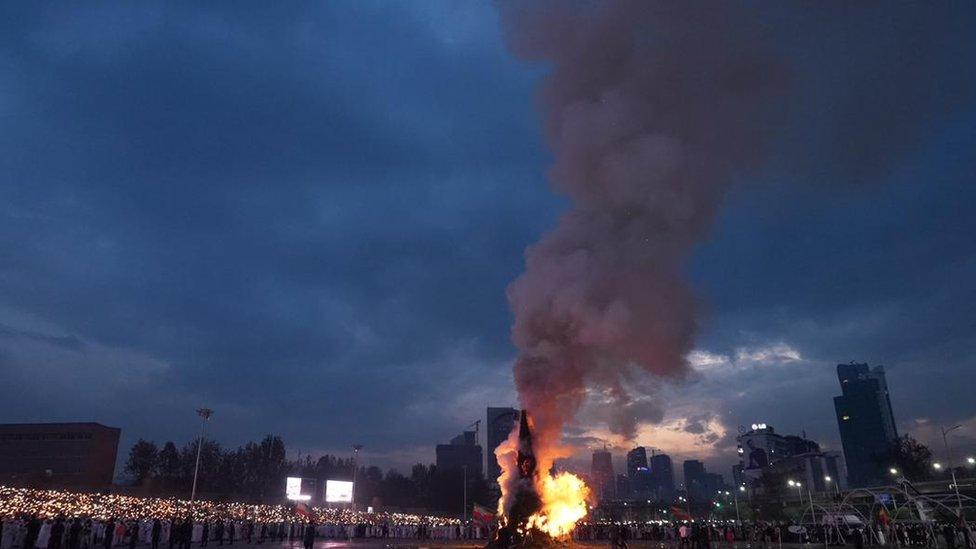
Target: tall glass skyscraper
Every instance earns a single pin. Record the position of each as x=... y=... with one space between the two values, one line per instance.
x=866 y=423
x=639 y=472
x=662 y=476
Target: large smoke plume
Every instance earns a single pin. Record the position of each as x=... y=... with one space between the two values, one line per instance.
x=647 y=125
x=652 y=110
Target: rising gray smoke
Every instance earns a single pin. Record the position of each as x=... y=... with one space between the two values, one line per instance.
x=652 y=110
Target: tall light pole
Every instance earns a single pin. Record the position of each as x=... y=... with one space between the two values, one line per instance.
x=799 y=493
x=355 y=470
x=952 y=471
x=813 y=514
x=465 y=502
x=830 y=480
x=736 y=496
x=205 y=413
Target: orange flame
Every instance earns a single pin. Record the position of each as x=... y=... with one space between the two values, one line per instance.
x=564 y=496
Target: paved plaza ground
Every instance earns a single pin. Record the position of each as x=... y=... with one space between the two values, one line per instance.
x=472 y=544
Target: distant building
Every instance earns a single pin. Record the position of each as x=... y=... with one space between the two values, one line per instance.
x=463 y=452
x=624 y=490
x=699 y=483
x=601 y=472
x=498 y=427
x=761 y=448
x=58 y=455
x=639 y=474
x=693 y=470
x=662 y=476
x=636 y=459
x=738 y=478
x=813 y=469
x=866 y=422
x=712 y=483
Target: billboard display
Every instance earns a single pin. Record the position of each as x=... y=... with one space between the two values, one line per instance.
x=293 y=489
x=338 y=491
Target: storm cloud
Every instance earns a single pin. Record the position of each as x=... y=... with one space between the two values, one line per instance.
x=306 y=216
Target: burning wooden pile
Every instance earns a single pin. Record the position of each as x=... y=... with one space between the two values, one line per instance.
x=536 y=509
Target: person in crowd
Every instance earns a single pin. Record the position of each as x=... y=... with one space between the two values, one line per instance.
x=949 y=534
x=57 y=534
x=187 y=532
x=309 y=537
x=33 y=530
x=133 y=532
x=74 y=534
x=205 y=537
x=109 y=534
x=155 y=533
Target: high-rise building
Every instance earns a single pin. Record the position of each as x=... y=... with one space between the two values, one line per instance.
x=694 y=470
x=636 y=459
x=695 y=478
x=497 y=428
x=624 y=490
x=638 y=473
x=601 y=473
x=762 y=446
x=58 y=455
x=463 y=452
x=866 y=423
x=761 y=450
x=662 y=476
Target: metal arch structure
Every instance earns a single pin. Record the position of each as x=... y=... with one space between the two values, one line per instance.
x=902 y=503
x=904 y=497
x=834 y=527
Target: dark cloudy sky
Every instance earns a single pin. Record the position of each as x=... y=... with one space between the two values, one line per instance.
x=305 y=216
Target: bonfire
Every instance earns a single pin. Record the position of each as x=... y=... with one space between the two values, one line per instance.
x=536 y=508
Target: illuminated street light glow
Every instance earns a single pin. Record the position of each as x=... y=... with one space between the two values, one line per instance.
x=937 y=465
x=893 y=471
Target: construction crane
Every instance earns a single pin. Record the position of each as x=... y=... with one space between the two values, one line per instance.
x=477 y=426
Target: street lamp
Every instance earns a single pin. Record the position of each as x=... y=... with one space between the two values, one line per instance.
x=735 y=498
x=971 y=460
x=945 y=441
x=205 y=413
x=893 y=471
x=355 y=471
x=798 y=486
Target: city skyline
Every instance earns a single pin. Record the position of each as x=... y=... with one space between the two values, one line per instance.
x=276 y=215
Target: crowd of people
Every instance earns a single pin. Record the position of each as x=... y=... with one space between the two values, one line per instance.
x=705 y=534
x=55 y=519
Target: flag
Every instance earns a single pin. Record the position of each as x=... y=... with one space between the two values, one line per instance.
x=679 y=513
x=482 y=514
x=302 y=510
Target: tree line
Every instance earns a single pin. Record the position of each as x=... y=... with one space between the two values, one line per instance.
x=256 y=472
